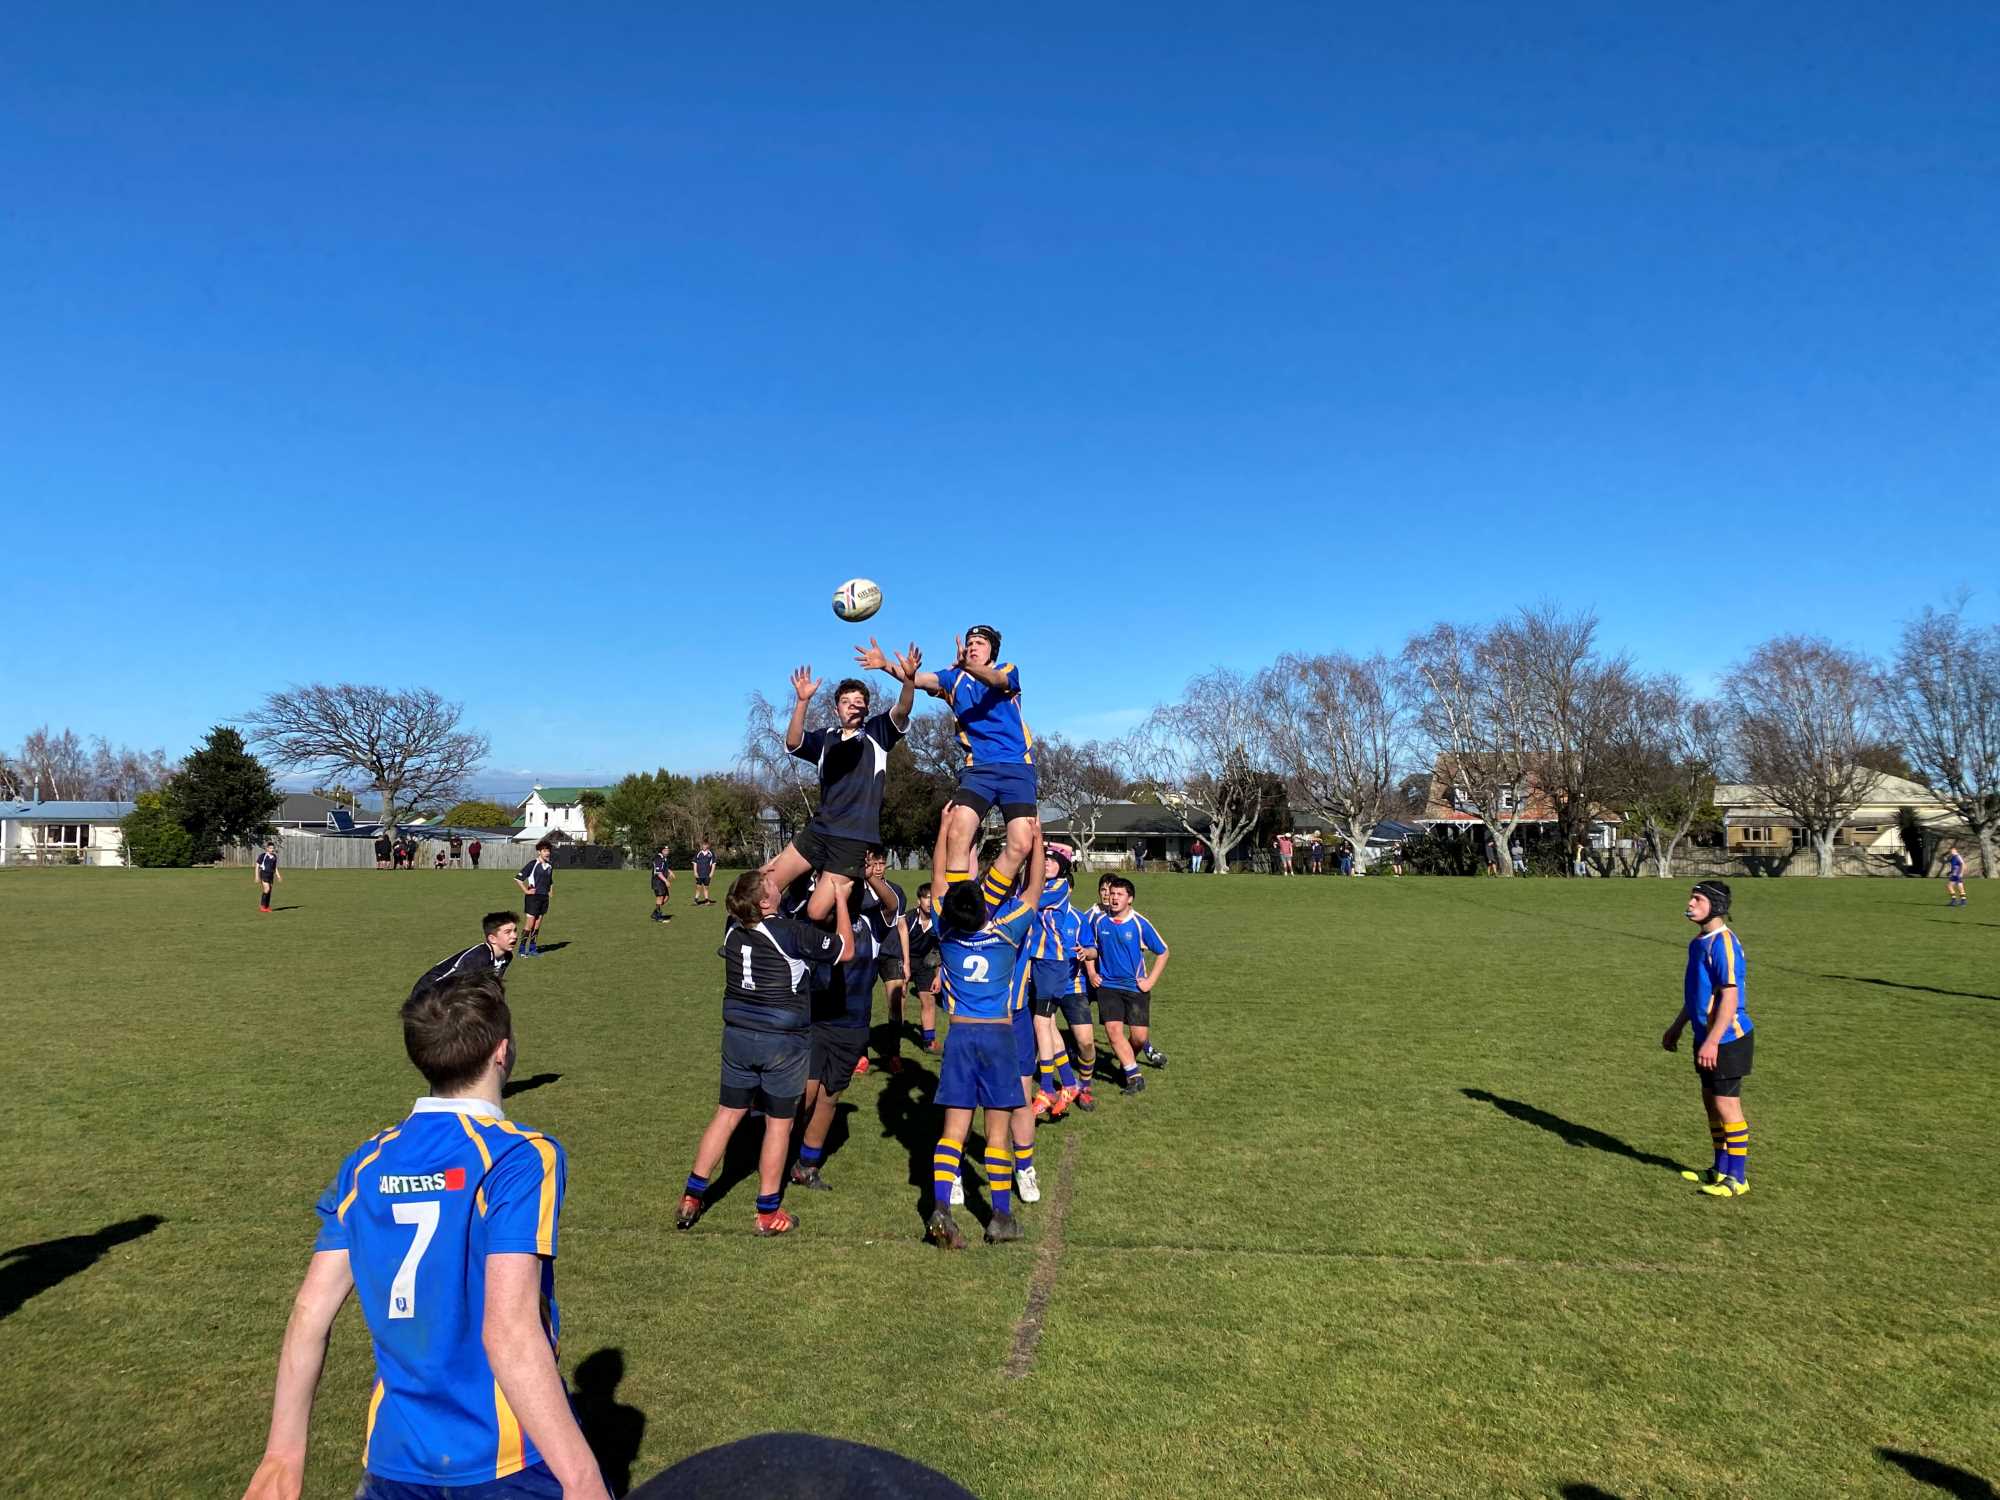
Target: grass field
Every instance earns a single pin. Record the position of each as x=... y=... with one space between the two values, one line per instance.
x=1401 y=1218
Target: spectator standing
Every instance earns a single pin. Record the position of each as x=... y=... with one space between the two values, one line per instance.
x=473 y=849
x=1197 y=853
x=1519 y=856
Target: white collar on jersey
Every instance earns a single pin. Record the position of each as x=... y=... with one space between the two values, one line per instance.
x=431 y=1104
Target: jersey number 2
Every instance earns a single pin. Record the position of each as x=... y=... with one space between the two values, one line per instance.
x=975 y=967
x=403 y=1290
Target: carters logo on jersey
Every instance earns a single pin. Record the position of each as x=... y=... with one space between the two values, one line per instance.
x=451 y=1180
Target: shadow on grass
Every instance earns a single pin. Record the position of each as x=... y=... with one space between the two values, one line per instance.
x=613 y=1429
x=541 y=948
x=522 y=1085
x=1571 y=1133
x=1897 y=984
x=287 y=908
x=1587 y=1492
x=29 y=1270
x=1950 y=1478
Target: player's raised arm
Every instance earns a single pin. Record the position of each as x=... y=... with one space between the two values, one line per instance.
x=804 y=685
x=905 y=668
x=281 y=1474
x=993 y=674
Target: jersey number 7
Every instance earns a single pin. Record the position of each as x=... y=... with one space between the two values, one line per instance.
x=403 y=1290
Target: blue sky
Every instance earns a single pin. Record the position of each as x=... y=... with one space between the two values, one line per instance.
x=566 y=362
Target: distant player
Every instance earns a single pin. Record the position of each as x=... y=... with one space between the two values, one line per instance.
x=536 y=879
x=1124 y=985
x=382 y=851
x=767 y=963
x=853 y=761
x=843 y=1007
x=1712 y=1003
x=663 y=884
x=457 y=852
x=267 y=874
x=492 y=953
x=704 y=871
x=445 y=1228
x=1954 y=876
x=473 y=849
x=1057 y=950
x=980 y=1070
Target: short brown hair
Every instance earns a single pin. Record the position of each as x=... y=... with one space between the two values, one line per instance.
x=745 y=901
x=452 y=1028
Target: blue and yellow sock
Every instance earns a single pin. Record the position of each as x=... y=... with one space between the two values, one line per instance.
x=696 y=1186
x=994 y=886
x=956 y=877
x=1736 y=1137
x=767 y=1203
x=1721 y=1149
x=811 y=1156
x=1046 y=1068
x=1065 y=1074
x=1000 y=1178
x=945 y=1163
x=1087 y=1069
x=1024 y=1158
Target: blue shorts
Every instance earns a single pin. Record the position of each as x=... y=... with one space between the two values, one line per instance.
x=1009 y=787
x=1058 y=988
x=978 y=1071
x=1026 y=1052
x=532 y=1483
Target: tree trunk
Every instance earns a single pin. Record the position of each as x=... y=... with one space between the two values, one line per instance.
x=1823 y=847
x=1503 y=858
x=1985 y=832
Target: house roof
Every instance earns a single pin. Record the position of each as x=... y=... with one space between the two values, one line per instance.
x=65 y=812
x=1883 y=790
x=304 y=807
x=562 y=796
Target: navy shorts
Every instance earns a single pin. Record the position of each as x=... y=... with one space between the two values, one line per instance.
x=1057 y=989
x=836 y=1050
x=1732 y=1066
x=763 y=1070
x=1128 y=1007
x=1009 y=787
x=659 y=886
x=535 y=1482
x=978 y=1071
x=535 y=906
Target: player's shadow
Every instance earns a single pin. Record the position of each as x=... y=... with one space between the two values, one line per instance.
x=1950 y=1478
x=522 y=1085
x=907 y=1110
x=1922 y=989
x=285 y=908
x=553 y=947
x=1580 y=1491
x=1571 y=1133
x=613 y=1429
x=29 y=1270
x=739 y=1157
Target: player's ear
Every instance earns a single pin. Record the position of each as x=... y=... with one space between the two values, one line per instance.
x=503 y=1059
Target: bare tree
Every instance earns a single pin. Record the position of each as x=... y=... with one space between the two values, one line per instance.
x=1943 y=697
x=787 y=783
x=1663 y=764
x=56 y=767
x=1577 y=701
x=1200 y=756
x=1338 y=729
x=405 y=746
x=1080 y=779
x=1801 y=711
x=13 y=783
x=120 y=774
x=1473 y=715
x=934 y=743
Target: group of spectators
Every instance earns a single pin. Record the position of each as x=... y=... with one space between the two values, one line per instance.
x=400 y=853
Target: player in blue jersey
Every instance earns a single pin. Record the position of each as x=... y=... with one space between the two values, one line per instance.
x=1712 y=1003
x=1124 y=985
x=1057 y=951
x=984 y=695
x=1954 y=876
x=267 y=873
x=704 y=872
x=445 y=1229
x=768 y=962
x=663 y=884
x=981 y=1067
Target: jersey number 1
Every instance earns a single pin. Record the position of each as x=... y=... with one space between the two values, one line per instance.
x=403 y=1290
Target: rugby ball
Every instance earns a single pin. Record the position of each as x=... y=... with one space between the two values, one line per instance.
x=856 y=599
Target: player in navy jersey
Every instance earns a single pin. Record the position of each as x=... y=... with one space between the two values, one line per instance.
x=920 y=926
x=704 y=871
x=1123 y=983
x=536 y=879
x=663 y=885
x=892 y=941
x=981 y=1069
x=267 y=874
x=1954 y=876
x=767 y=967
x=445 y=1228
x=1712 y=994
x=853 y=761
x=492 y=953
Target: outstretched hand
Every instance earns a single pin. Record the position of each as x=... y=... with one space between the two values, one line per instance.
x=870 y=657
x=958 y=651
x=909 y=663
x=805 y=684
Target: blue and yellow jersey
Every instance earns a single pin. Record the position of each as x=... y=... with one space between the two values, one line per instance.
x=1715 y=961
x=1954 y=865
x=990 y=727
x=418 y=1209
x=979 y=967
x=1120 y=945
x=1058 y=933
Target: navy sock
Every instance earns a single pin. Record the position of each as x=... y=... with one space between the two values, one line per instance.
x=696 y=1186
x=767 y=1203
x=811 y=1156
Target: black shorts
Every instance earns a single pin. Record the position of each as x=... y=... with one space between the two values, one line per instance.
x=835 y=1051
x=925 y=976
x=889 y=967
x=1128 y=1006
x=1732 y=1066
x=836 y=856
x=701 y=879
x=763 y=1070
x=659 y=886
x=535 y=906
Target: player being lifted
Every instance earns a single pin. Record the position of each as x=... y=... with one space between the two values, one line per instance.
x=853 y=761
x=984 y=695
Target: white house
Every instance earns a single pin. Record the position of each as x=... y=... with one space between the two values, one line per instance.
x=63 y=833
x=556 y=809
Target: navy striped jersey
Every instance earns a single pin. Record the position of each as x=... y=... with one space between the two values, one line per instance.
x=660 y=868
x=1715 y=960
x=990 y=727
x=704 y=864
x=267 y=865
x=767 y=972
x=418 y=1208
x=853 y=771
x=882 y=922
x=979 y=966
x=923 y=935
x=848 y=997
x=538 y=873
x=1119 y=947
x=478 y=956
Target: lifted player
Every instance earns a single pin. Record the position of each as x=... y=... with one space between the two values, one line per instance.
x=1712 y=1003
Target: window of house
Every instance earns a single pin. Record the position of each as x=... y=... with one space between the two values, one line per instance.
x=1757 y=833
x=1506 y=799
x=63 y=835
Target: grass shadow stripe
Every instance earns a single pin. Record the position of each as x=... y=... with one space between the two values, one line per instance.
x=1395 y=1258
x=1048 y=1264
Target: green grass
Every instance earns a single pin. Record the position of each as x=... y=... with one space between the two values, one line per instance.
x=1306 y=1261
